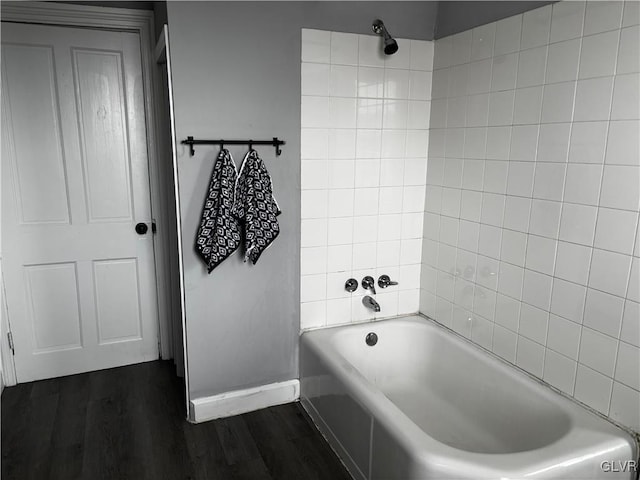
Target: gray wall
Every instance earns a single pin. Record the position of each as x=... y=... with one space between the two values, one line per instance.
x=236 y=74
x=454 y=17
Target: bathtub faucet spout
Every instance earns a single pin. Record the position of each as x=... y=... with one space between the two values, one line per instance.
x=370 y=303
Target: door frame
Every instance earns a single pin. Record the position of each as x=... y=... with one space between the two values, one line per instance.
x=140 y=22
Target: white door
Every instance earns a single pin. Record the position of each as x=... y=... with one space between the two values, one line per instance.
x=80 y=281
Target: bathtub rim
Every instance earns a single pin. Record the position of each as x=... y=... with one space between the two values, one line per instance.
x=413 y=437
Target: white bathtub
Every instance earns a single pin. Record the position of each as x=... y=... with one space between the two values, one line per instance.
x=425 y=404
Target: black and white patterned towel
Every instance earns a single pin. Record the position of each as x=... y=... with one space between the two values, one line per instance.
x=255 y=206
x=219 y=234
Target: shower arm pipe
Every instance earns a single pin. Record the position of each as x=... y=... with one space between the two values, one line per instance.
x=274 y=142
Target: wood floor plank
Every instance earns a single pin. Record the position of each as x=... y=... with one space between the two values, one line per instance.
x=129 y=423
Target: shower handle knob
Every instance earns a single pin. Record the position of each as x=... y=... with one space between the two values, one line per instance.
x=385 y=281
x=368 y=283
x=351 y=285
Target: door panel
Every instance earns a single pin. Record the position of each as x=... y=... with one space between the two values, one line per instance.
x=103 y=139
x=52 y=292
x=117 y=300
x=80 y=281
x=32 y=106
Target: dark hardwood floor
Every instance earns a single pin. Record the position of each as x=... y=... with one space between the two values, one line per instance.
x=129 y=423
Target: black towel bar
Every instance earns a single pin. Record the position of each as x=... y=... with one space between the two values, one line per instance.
x=274 y=142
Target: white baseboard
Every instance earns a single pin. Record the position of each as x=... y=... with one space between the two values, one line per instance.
x=243 y=401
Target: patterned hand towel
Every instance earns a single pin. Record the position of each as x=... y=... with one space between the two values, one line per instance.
x=256 y=207
x=219 y=234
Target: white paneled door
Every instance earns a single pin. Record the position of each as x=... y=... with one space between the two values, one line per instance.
x=80 y=281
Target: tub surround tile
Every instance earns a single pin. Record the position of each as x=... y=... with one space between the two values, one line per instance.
x=365 y=119
x=549 y=191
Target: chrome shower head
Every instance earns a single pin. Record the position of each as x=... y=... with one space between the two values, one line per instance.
x=390 y=45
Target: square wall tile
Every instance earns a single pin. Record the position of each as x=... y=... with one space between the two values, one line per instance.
x=531 y=67
x=508 y=34
x=421 y=57
x=623 y=146
x=516 y=214
x=344 y=48
x=602 y=16
x=603 y=312
x=548 y=183
x=396 y=83
x=567 y=300
x=313 y=232
x=313 y=287
x=314 y=143
x=593 y=389
x=535 y=27
x=369 y=51
x=490 y=238
x=528 y=106
x=343 y=81
x=315 y=79
x=524 y=143
x=562 y=61
x=420 y=85
x=316 y=46
x=553 y=142
x=501 y=108
x=492 y=209
x=504 y=343
x=557 y=102
x=507 y=312
x=598 y=55
x=620 y=187
x=495 y=176
x=503 y=75
x=510 y=282
x=514 y=247
x=593 y=99
x=630 y=331
x=564 y=336
x=482 y=41
x=312 y=314
x=609 y=272
x=628 y=57
x=559 y=371
x=573 y=262
x=498 y=143
x=588 y=142
x=578 y=224
x=628 y=365
x=541 y=254
x=370 y=82
x=533 y=323
x=615 y=230
x=566 y=21
x=442 y=53
x=537 y=289
x=480 y=77
x=625 y=405
x=598 y=351
x=545 y=218
x=583 y=183
x=477 y=114
x=631 y=14
x=461 y=47
x=530 y=356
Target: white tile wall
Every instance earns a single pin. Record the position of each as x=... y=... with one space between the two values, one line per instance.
x=540 y=179
x=365 y=121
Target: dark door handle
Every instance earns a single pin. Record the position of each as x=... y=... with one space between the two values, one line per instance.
x=141 y=228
